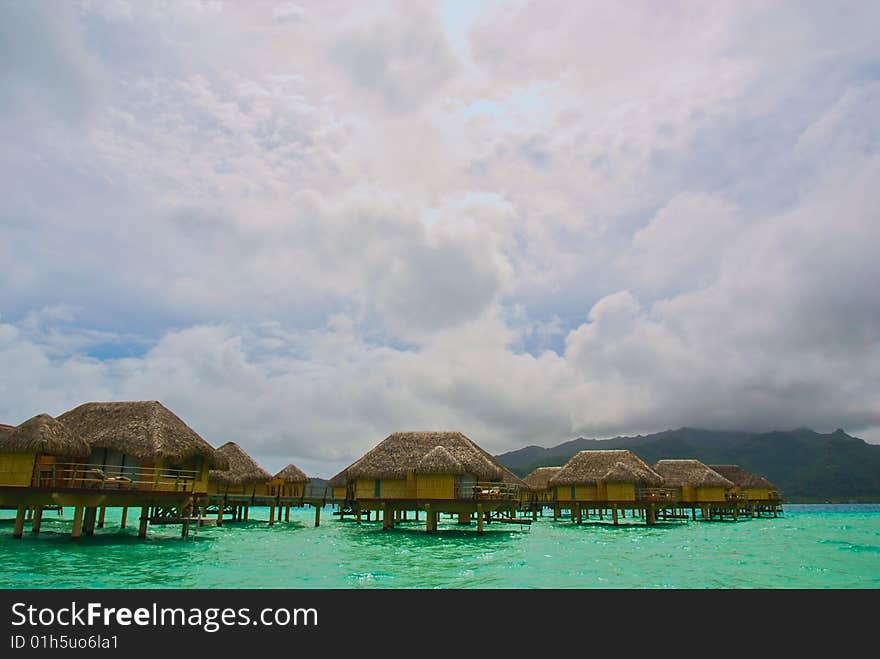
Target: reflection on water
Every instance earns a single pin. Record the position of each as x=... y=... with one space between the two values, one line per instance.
x=813 y=546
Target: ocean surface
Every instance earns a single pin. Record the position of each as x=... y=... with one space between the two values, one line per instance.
x=811 y=546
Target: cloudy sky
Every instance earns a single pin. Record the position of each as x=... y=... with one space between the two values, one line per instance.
x=303 y=226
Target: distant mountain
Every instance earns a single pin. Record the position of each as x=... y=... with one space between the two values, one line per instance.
x=804 y=465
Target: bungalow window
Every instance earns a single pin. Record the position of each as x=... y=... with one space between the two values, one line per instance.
x=378 y=489
x=573 y=492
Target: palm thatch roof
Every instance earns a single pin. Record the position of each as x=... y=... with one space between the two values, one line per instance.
x=401 y=452
x=741 y=477
x=5 y=427
x=43 y=434
x=339 y=480
x=292 y=474
x=539 y=479
x=242 y=469
x=438 y=461
x=610 y=466
x=146 y=430
x=693 y=473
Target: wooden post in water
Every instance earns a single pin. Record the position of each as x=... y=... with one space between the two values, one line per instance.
x=38 y=519
x=18 y=531
x=287 y=514
x=464 y=518
x=102 y=516
x=124 y=522
x=272 y=514
x=145 y=518
x=480 y=519
x=580 y=516
x=89 y=523
x=220 y=507
x=77 y=522
x=247 y=513
x=614 y=514
x=428 y=518
x=317 y=516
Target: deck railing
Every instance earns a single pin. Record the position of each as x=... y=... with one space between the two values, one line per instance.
x=487 y=491
x=86 y=476
x=656 y=494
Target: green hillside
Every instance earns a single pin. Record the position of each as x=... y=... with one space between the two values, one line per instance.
x=805 y=465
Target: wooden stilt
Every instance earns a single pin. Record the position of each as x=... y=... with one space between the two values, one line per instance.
x=124 y=522
x=580 y=517
x=247 y=513
x=102 y=516
x=429 y=517
x=90 y=518
x=464 y=518
x=18 y=531
x=220 y=507
x=614 y=514
x=38 y=519
x=535 y=514
x=145 y=518
x=287 y=514
x=77 y=522
x=317 y=516
x=272 y=515
x=479 y=519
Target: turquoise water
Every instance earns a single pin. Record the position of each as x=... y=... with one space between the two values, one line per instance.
x=811 y=546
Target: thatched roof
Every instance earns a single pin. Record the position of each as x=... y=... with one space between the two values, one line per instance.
x=146 y=430
x=438 y=461
x=242 y=468
x=4 y=427
x=741 y=477
x=292 y=474
x=610 y=466
x=401 y=452
x=43 y=434
x=338 y=480
x=679 y=473
x=539 y=479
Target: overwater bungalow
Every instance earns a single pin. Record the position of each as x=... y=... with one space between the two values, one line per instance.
x=431 y=471
x=99 y=455
x=289 y=486
x=37 y=453
x=539 y=493
x=616 y=480
x=289 y=482
x=757 y=494
x=698 y=486
x=242 y=484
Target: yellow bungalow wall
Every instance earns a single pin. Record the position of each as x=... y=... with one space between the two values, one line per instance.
x=581 y=493
x=760 y=493
x=339 y=492
x=435 y=486
x=710 y=494
x=365 y=488
x=17 y=469
x=620 y=492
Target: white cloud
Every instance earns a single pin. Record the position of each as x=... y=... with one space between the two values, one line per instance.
x=306 y=226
